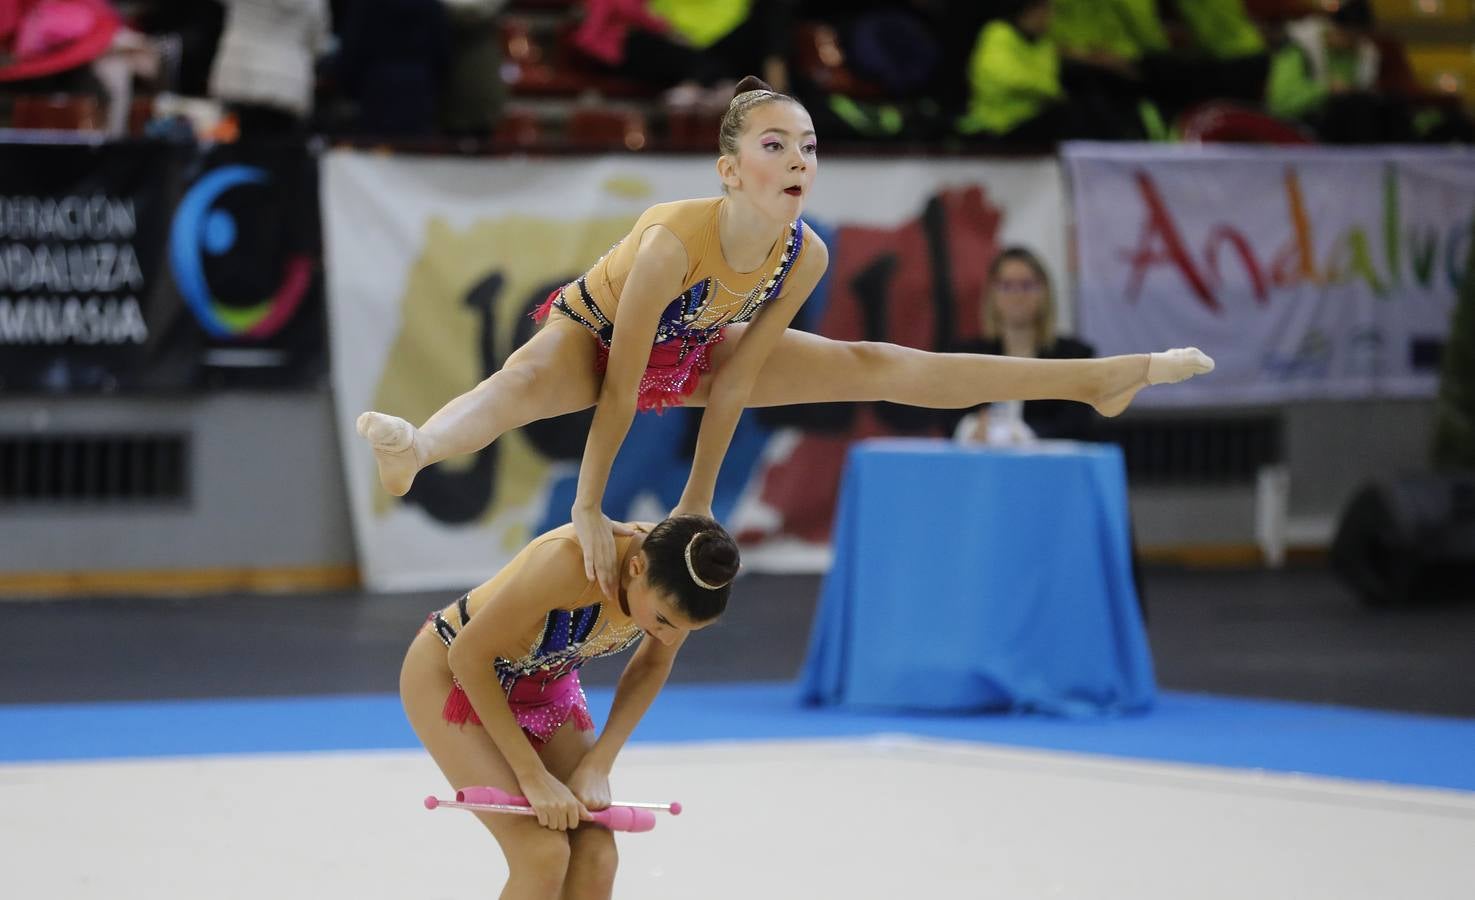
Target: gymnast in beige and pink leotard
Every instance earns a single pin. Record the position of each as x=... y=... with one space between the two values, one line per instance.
x=715 y=296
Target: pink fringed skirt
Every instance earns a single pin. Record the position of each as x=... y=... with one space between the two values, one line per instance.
x=540 y=704
x=673 y=372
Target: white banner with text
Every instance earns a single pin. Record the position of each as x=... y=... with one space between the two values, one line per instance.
x=1305 y=272
x=434 y=264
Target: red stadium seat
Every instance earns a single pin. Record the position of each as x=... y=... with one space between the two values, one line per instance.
x=566 y=56
x=519 y=128
x=692 y=129
x=59 y=112
x=140 y=113
x=602 y=128
x=544 y=63
x=1220 y=122
x=819 y=58
x=528 y=68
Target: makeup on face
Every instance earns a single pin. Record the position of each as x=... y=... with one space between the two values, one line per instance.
x=780 y=155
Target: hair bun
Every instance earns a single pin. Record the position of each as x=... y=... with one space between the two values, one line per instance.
x=751 y=83
x=715 y=556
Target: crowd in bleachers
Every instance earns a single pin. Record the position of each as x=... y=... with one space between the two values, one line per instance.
x=655 y=74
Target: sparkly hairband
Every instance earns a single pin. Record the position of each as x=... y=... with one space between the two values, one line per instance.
x=692 y=570
x=764 y=93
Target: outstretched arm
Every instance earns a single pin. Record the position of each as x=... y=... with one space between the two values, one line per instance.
x=655 y=278
x=733 y=382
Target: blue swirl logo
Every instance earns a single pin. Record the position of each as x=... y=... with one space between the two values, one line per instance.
x=202 y=228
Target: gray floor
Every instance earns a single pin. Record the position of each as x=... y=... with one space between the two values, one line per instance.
x=1296 y=634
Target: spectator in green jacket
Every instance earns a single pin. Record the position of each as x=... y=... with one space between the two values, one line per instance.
x=1014 y=76
x=1117 y=31
x=1118 y=55
x=1326 y=76
x=1322 y=56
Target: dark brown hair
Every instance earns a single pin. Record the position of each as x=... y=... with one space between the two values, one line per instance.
x=714 y=559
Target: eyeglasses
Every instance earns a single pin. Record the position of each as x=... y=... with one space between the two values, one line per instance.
x=1017 y=286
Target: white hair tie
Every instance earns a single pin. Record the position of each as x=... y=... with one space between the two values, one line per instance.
x=692 y=570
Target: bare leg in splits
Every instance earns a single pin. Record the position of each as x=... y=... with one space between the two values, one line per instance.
x=553 y=374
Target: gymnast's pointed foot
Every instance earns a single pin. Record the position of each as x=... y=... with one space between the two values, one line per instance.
x=1168 y=367
x=393 y=441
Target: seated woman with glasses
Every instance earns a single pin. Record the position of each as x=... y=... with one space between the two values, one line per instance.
x=1018 y=317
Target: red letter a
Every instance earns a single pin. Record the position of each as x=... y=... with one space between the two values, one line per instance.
x=1161 y=243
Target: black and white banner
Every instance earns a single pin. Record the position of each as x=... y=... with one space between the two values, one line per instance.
x=152 y=266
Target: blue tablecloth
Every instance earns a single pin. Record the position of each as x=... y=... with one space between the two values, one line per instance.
x=974 y=578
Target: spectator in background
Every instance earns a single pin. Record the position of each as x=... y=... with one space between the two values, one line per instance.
x=393 y=63
x=956 y=26
x=49 y=47
x=893 y=46
x=1326 y=75
x=736 y=37
x=897 y=52
x=131 y=57
x=474 y=90
x=1017 y=312
x=1014 y=74
x=1120 y=62
x=1017 y=96
x=628 y=39
x=197 y=27
x=700 y=48
x=1226 y=60
x=1102 y=44
x=264 y=70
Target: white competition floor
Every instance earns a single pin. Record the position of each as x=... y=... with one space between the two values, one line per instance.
x=876 y=817
x=319 y=797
